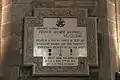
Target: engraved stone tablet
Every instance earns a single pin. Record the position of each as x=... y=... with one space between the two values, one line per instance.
x=69 y=64
x=60 y=45
x=56 y=43
x=83 y=20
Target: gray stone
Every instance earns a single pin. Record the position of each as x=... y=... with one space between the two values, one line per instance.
x=30 y=22
x=104 y=71
x=112 y=30
x=54 y=12
x=12 y=73
x=111 y=11
x=102 y=23
x=64 y=78
x=43 y=3
x=92 y=41
x=22 y=1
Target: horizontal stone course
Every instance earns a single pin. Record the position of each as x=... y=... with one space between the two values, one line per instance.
x=74 y=3
x=58 y=3
x=6 y=2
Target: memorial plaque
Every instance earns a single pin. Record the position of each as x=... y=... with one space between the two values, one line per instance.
x=83 y=20
x=56 y=44
x=60 y=45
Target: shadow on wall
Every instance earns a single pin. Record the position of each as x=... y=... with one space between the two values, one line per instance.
x=1 y=78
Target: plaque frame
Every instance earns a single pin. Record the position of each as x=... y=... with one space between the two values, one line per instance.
x=83 y=20
x=31 y=22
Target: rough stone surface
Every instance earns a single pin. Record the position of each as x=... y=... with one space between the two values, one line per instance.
x=92 y=41
x=106 y=20
x=111 y=11
x=13 y=36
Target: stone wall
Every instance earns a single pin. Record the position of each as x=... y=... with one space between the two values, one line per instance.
x=112 y=32
x=107 y=27
x=6 y=21
x=12 y=35
x=118 y=24
x=23 y=8
x=0 y=32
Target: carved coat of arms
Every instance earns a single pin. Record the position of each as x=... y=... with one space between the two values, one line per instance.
x=60 y=22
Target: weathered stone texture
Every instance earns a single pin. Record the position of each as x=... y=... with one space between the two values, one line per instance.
x=6 y=18
x=112 y=1
x=22 y=1
x=112 y=29
x=102 y=25
x=111 y=11
x=13 y=35
x=6 y=3
x=102 y=10
x=92 y=46
x=104 y=71
x=63 y=78
x=6 y=14
x=58 y=3
x=74 y=3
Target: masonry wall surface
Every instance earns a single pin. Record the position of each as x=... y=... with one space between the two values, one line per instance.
x=0 y=32
x=12 y=36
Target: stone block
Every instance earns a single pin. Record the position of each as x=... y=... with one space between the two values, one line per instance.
x=10 y=49
x=64 y=78
x=9 y=30
x=6 y=15
x=102 y=25
x=92 y=47
x=104 y=72
x=10 y=45
x=43 y=3
x=112 y=29
x=74 y=3
x=11 y=73
x=6 y=30
x=94 y=76
x=85 y=3
x=6 y=3
x=111 y=11
x=92 y=12
x=102 y=12
x=64 y=3
x=22 y=1
x=64 y=12
x=118 y=8
x=112 y=1
x=14 y=73
x=113 y=56
x=21 y=10
x=29 y=78
x=0 y=4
